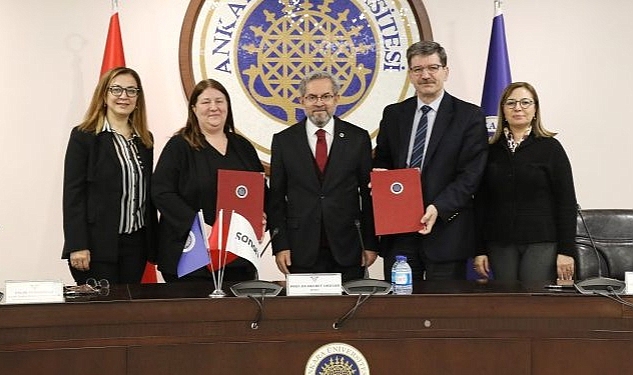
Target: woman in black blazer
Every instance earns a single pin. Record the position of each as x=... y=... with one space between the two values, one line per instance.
x=185 y=179
x=109 y=219
x=526 y=203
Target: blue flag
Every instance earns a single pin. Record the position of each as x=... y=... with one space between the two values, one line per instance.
x=497 y=70
x=195 y=253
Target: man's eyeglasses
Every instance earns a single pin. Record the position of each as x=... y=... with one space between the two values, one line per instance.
x=117 y=91
x=525 y=103
x=313 y=99
x=432 y=69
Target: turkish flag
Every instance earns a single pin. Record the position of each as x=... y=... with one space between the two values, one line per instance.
x=217 y=242
x=113 y=56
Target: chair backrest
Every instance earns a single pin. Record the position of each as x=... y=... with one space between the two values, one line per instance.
x=612 y=232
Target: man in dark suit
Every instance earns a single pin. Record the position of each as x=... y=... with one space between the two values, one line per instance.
x=319 y=195
x=446 y=138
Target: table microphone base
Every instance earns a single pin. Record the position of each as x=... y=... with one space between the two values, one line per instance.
x=594 y=285
x=367 y=286
x=256 y=288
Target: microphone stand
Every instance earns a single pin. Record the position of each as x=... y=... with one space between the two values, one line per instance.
x=263 y=288
x=597 y=285
x=274 y=233
x=365 y=287
x=362 y=245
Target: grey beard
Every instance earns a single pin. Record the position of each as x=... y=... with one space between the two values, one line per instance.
x=318 y=122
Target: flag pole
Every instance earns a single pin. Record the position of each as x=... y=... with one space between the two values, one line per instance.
x=497 y=78
x=226 y=253
x=215 y=282
x=221 y=264
x=498 y=8
x=206 y=243
x=218 y=292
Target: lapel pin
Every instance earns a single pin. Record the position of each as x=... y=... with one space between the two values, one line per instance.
x=342 y=135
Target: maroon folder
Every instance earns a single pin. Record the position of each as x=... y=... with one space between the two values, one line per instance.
x=397 y=198
x=242 y=192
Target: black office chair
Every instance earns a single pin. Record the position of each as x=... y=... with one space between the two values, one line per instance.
x=612 y=232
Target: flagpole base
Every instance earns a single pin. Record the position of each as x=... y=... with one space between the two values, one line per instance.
x=218 y=293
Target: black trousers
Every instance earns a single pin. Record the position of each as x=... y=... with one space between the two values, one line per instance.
x=410 y=245
x=326 y=263
x=127 y=269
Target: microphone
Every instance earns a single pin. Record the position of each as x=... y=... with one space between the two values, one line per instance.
x=362 y=244
x=360 y=234
x=273 y=233
x=600 y=284
x=365 y=286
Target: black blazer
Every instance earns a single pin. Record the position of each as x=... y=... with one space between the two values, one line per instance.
x=528 y=196
x=184 y=182
x=300 y=204
x=92 y=196
x=453 y=166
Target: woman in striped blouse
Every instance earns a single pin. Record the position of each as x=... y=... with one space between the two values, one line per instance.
x=109 y=221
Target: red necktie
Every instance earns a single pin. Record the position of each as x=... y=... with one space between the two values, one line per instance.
x=321 y=150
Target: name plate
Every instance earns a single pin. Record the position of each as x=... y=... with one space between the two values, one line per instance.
x=628 y=282
x=313 y=284
x=43 y=291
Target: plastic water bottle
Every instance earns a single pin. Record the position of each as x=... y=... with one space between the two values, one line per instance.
x=401 y=276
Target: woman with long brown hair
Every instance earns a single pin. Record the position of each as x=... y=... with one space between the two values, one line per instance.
x=185 y=179
x=109 y=221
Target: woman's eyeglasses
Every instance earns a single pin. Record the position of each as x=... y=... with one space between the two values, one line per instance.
x=117 y=91
x=524 y=103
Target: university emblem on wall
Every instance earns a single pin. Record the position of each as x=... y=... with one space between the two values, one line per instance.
x=337 y=359
x=260 y=50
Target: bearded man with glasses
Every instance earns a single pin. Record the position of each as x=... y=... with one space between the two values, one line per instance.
x=319 y=195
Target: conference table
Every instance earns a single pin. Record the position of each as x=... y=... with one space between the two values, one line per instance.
x=443 y=328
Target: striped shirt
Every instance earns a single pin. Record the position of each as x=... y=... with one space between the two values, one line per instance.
x=133 y=182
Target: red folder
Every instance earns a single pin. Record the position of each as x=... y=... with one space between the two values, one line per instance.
x=242 y=192
x=397 y=198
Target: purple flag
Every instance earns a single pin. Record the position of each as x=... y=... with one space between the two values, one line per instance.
x=497 y=70
x=195 y=253
x=497 y=78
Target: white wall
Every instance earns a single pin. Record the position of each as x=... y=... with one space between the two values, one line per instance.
x=577 y=54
